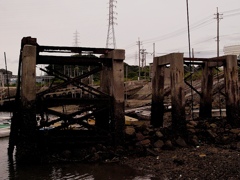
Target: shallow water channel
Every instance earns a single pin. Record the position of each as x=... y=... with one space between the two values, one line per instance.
x=10 y=170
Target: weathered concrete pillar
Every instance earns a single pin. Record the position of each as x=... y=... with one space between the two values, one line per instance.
x=157 y=108
x=115 y=86
x=177 y=92
x=232 y=90
x=28 y=83
x=206 y=95
x=102 y=118
x=27 y=135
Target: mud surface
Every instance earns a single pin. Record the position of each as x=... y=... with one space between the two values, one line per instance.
x=201 y=162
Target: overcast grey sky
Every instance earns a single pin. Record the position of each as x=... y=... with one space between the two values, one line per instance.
x=163 y=22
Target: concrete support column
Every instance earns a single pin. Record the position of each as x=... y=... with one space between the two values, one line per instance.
x=232 y=90
x=177 y=92
x=157 y=108
x=102 y=118
x=115 y=86
x=28 y=82
x=27 y=134
x=206 y=88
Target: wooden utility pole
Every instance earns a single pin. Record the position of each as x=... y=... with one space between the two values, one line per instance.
x=218 y=19
x=139 y=58
x=189 y=44
x=153 y=50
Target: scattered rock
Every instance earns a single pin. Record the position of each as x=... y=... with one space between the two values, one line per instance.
x=235 y=131
x=191 y=130
x=130 y=131
x=168 y=145
x=194 y=140
x=158 y=144
x=202 y=155
x=194 y=123
x=140 y=136
x=145 y=142
x=212 y=125
x=212 y=134
x=190 y=125
x=159 y=134
x=181 y=142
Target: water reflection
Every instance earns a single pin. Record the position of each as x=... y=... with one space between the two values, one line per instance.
x=10 y=170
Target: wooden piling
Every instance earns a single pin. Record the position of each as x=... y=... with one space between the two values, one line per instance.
x=27 y=130
x=177 y=91
x=112 y=82
x=206 y=95
x=157 y=108
x=232 y=90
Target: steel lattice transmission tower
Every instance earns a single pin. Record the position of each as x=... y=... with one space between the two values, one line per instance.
x=76 y=41
x=111 y=41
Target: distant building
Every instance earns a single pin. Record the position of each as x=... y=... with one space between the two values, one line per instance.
x=5 y=75
x=232 y=50
x=43 y=79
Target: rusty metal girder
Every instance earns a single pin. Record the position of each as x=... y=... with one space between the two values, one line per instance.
x=73 y=60
x=66 y=49
x=51 y=102
x=71 y=81
x=76 y=83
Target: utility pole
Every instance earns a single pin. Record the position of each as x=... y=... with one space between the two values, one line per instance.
x=139 y=58
x=189 y=42
x=143 y=53
x=218 y=19
x=111 y=41
x=143 y=61
x=153 y=50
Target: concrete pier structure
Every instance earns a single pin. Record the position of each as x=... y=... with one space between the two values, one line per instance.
x=105 y=105
x=230 y=65
x=175 y=60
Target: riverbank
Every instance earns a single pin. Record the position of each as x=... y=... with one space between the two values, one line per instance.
x=201 y=162
x=210 y=150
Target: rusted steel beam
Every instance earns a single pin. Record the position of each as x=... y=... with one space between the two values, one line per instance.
x=194 y=62
x=215 y=59
x=66 y=49
x=196 y=59
x=63 y=116
x=77 y=83
x=193 y=88
x=80 y=120
x=73 y=60
x=70 y=81
x=51 y=102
